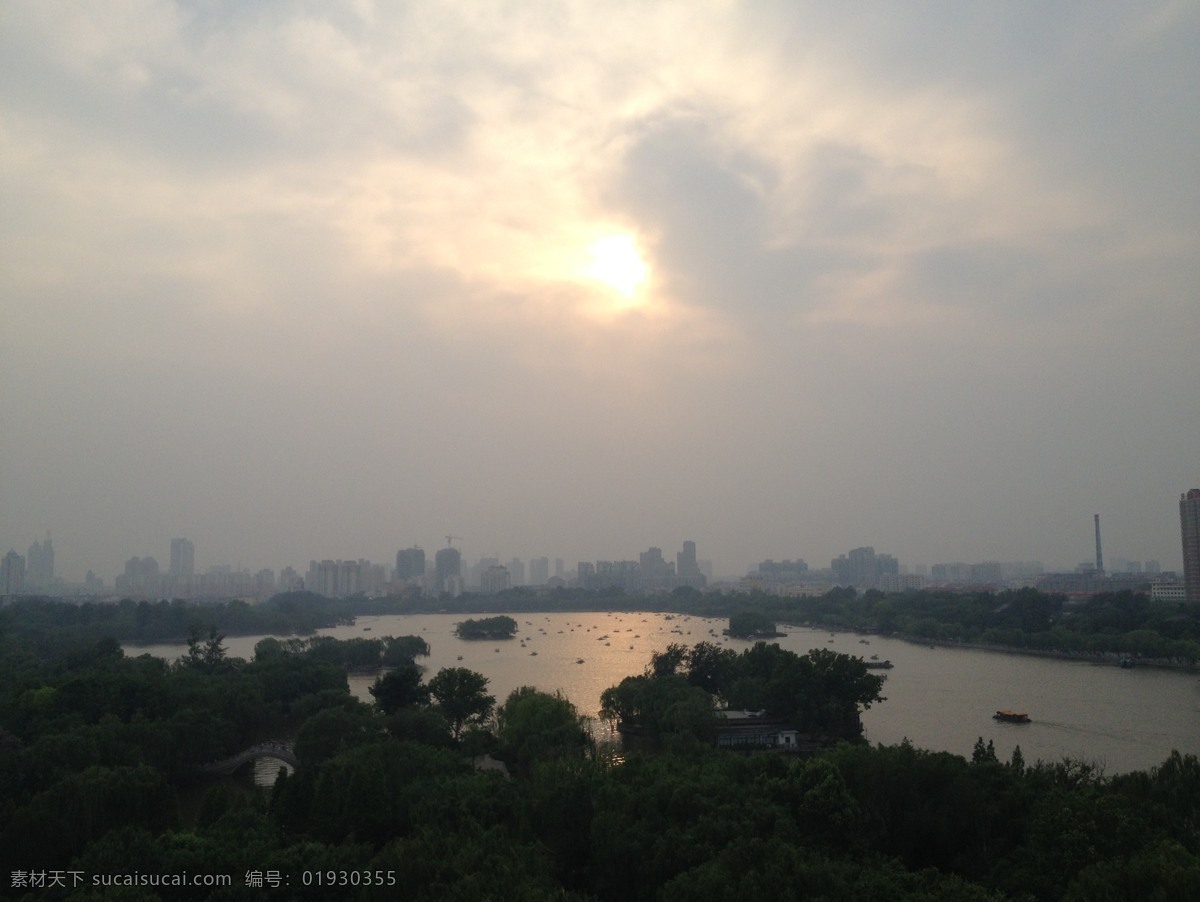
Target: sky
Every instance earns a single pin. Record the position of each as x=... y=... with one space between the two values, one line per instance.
x=304 y=280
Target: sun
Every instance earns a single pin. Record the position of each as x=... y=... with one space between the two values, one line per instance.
x=617 y=263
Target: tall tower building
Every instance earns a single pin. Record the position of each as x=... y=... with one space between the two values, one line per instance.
x=1189 y=531
x=40 y=570
x=447 y=568
x=183 y=558
x=685 y=561
x=410 y=564
x=12 y=574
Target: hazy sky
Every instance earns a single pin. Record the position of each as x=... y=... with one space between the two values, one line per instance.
x=319 y=280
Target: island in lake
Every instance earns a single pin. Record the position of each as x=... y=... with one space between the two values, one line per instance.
x=487 y=628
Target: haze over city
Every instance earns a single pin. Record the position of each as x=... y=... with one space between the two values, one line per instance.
x=304 y=281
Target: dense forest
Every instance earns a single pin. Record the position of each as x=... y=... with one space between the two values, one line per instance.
x=101 y=777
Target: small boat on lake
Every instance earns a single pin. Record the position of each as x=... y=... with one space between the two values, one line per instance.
x=1006 y=716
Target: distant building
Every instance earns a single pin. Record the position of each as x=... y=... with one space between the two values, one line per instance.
x=686 y=564
x=539 y=571
x=494 y=579
x=410 y=565
x=142 y=578
x=12 y=574
x=447 y=567
x=516 y=571
x=787 y=571
x=39 y=571
x=863 y=568
x=650 y=573
x=290 y=580
x=951 y=573
x=339 y=579
x=1167 y=590
x=987 y=573
x=902 y=582
x=183 y=558
x=1189 y=531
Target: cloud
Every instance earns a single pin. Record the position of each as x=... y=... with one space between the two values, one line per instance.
x=900 y=259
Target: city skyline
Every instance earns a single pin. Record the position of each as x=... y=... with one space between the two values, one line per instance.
x=296 y=281
x=847 y=567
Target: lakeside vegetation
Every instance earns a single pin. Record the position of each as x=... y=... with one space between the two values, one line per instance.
x=100 y=758
x=1118 y=624
x=822 y=693
x=752 y=625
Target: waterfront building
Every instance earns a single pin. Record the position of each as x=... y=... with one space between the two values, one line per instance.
x=1189 y=531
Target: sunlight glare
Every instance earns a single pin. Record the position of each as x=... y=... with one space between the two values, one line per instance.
x=617 y=263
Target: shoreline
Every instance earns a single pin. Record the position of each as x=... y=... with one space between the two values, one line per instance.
x=1110 y=658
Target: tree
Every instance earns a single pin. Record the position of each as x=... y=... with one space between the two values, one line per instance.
x=668 y=661
x=535 y=726
x=710 y=666
x=460 y=694
x=749 y=624
x=209 y=655
x=398 y=689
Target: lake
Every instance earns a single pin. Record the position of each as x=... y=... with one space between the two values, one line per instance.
x=939 y=698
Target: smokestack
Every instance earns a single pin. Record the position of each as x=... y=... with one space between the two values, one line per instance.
x=1099 y=554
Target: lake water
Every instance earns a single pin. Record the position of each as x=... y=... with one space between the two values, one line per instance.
x=939 y=698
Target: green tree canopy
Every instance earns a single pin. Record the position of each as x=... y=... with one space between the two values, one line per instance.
x=461 y=695
x=398 y=689
x=535 y=726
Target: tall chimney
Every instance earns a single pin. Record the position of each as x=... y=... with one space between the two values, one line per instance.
x=1099 y=554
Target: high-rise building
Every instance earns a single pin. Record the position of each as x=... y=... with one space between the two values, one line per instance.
x=410 y=564
x=516 y=570
x=39 y=572
x=685 y=561
x=12 y=574
x=447 y=565
x=183 y=558
x=494 y=579
x=1189 y=531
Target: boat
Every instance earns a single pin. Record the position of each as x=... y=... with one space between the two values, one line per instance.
x=879 y=665
x=579 y=661
x=1011 y=716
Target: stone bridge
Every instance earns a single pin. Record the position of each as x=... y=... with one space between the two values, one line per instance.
x=277 y=750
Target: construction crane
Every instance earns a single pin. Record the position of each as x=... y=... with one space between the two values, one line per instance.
x=450 y=540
